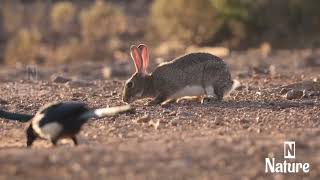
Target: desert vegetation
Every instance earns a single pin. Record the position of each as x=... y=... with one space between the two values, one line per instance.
x=53 y=32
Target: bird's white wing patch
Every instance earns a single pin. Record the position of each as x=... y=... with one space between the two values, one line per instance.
x=48 y=130
x=35 y=124
x=52 y=129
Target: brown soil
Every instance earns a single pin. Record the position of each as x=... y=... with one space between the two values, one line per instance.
x=225 y=140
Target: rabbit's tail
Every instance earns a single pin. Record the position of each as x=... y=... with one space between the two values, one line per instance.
x=234 y=85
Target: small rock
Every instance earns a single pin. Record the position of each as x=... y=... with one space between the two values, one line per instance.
x=175 y=121
x=155 y=123
x=182 y=113
x=217 y=121
x=115 y=71
x=113 y=93
x=244 y=74
x=173 y=113
x=273 y=71
x=2 y=101
x=261 y=69
x=258 y=130
x=53 y=158
x=294 y=94
x=311 y=59
x=241 y=87
x=265 y=49
x=107 y=72
x=244 y=121
x=60 y=79
x=78 y=94
x=79 y=83
x=303 y=85
x=143 y=119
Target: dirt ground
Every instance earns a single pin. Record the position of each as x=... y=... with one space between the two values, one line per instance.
x=225 y=140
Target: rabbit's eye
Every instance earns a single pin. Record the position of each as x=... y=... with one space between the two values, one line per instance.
x=130 y=84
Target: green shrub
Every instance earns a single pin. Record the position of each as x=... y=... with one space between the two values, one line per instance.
x=305 y=12
x=234 y=21
x=62 y=16
x=233 y=10
x=23 y=47
x=188 y=21
x=235 y=15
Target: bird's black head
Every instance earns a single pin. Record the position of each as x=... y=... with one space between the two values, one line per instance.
x=31 y=135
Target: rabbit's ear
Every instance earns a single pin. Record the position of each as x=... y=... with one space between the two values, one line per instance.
x=145 y=57
x=135 y=55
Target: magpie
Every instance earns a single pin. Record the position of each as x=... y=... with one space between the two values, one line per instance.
x=61 y=120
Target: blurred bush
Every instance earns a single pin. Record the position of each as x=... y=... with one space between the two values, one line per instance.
x=101 y=21
x=189 y=21
x=234 y=14
x=12 y=13
x=73 y=51
x=272 y=20
x=23 y=47
x=63 y=17
x=68 y=31
x=236 y=22
x=101 y=27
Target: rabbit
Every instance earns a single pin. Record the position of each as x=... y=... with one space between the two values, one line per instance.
x=196 y=74
x=60 y=120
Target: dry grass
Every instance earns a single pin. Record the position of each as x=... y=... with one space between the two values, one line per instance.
x=101 y=21
x=192 y=22
x=99 y=30
x=23 y=47
x=63 y=16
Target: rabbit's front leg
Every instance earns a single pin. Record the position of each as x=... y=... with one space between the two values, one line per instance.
x=158 y=100
x=212 y=95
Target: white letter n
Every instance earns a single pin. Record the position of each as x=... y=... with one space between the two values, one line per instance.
x=269 y=165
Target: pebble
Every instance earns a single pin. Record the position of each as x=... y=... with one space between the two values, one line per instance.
x=79 y=83
x=183 y=113
x=2 y=101
x=60 y=79
x=115 y=71
x=155 y=123
x=175 y=121
x=143 y=119
x=294 y=94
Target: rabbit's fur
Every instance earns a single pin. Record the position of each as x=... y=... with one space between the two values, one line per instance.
x=195 y=74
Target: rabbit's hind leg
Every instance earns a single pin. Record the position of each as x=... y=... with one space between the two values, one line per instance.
x=210 y=95
x=219 y=93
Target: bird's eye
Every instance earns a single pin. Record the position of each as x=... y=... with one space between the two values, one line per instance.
x=130 y=84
